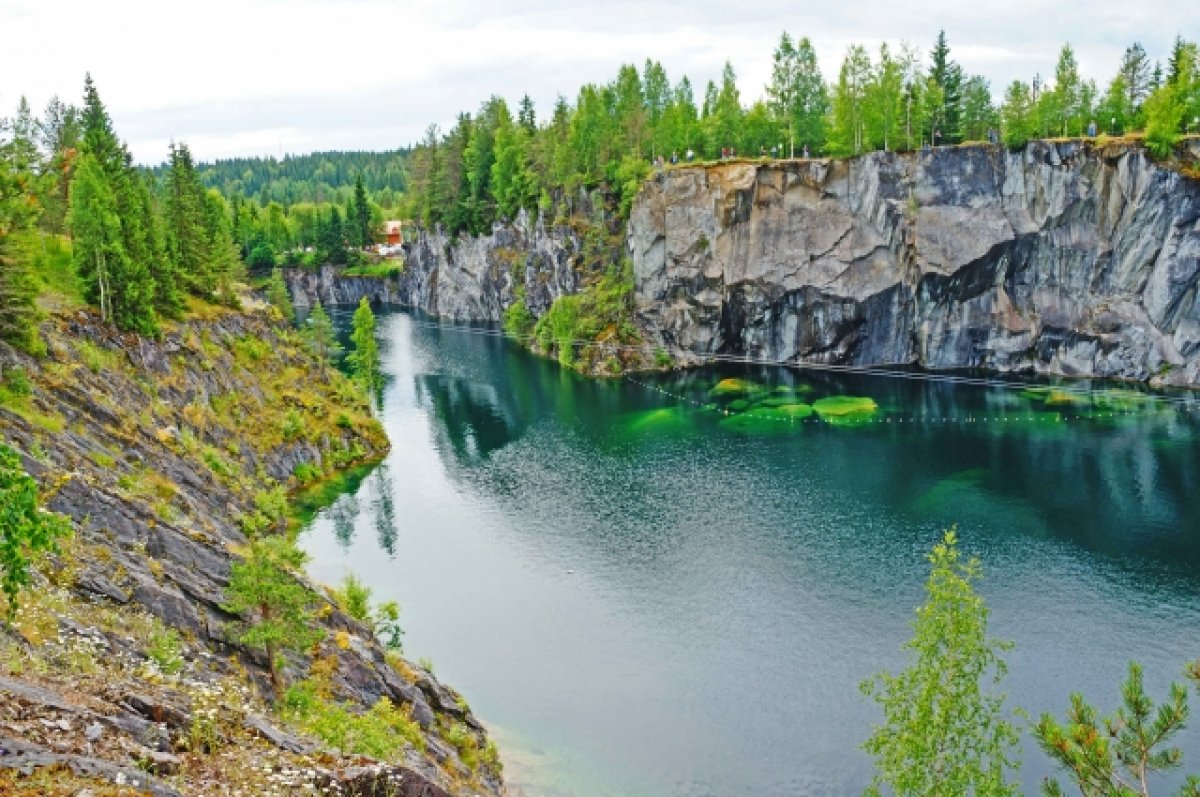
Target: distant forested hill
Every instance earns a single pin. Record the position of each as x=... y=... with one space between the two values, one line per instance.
x=319 y=177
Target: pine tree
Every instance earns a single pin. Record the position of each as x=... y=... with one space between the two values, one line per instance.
x=944 y=732
x=278 y=611
x=1135 y=75
x=1116 y=755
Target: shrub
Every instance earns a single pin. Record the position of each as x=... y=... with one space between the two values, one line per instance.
x=27 y=528
x=354 y=598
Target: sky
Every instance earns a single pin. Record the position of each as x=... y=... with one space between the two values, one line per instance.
x=271 y=77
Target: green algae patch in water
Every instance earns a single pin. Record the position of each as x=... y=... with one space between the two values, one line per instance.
x=1131 y=401
x=1056 y=397
x=734 y=387
x=785 y=419
x=846 y=410
x=739 y=405
x=835 y=406
x=781 y=401
x=661 y=421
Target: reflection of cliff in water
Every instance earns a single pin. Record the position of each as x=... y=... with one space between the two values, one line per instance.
x=472 y=419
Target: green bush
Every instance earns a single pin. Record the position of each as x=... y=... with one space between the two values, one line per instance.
x=166 y=650
x=354 y=598
x=17 y=381
x=28 y=529
x=383 y=732
x=293 y=425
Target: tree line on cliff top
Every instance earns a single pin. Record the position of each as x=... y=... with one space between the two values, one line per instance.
x=490 y=165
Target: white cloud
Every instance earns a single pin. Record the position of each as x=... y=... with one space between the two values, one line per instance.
x=252 y=76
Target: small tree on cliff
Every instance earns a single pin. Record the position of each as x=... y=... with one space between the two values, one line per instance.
x=364 y=360
x=277 y=295
x=322 y=338
x=942 y=732
x=277 y=609
x=25 y=528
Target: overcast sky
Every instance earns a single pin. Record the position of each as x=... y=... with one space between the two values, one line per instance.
x=264 y=77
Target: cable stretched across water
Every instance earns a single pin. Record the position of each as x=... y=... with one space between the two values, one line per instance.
x=887 y=370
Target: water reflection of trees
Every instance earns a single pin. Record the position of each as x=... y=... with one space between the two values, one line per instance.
x=385 y=509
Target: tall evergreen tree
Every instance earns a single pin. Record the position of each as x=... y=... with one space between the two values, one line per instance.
x=121 y=287
x=1135 y=74
x=184 y=217
x=947 y=74
x=364 y=358
x=361 y=235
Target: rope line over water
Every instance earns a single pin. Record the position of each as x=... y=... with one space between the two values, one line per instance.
x=888 y=370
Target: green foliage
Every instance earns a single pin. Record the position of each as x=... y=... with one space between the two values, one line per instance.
x=354 y=598
x=387 y=625
x=113 y=280
x=518 y=320
x=383 y=732
x=166 y=650
x=293 y=425
x=944 y=731
x=277 y=609
x=278 y=296
x=320 y=334
x=1115 y=756
x=16 y=381
x=1018 y=124
x=573 y=323
x=364 y=358
x=25 y=528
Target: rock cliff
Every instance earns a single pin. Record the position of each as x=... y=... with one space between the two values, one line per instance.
x=158 y=451
x=461 y=279
x=1062 y=258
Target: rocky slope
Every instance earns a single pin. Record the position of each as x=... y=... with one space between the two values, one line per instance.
x=1062 y=258
x=159 y=451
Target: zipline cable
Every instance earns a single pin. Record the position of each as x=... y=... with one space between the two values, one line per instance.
x=887 y=370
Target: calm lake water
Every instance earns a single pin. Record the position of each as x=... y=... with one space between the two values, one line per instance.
x=643 y=596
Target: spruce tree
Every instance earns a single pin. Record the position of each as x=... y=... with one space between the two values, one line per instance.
x=322 y=338
x=364 y=359
x=186 y=238
x=947 y=74
x=114 y=238
x=362 y=215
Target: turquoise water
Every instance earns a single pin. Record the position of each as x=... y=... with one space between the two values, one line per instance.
x=644 y=595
